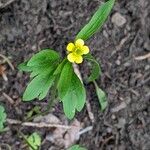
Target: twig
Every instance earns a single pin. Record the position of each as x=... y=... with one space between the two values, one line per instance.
x=133 y=42
x=87 y=129
x=8 y=61
x=118 y=47
x=143 y=57
x=88 y=106
x=10 y=100
x=106 y=141
x=117 y=141
x=76 y=70
x=37 y=125
x=91 y=115
x=6 y=4
x=122 y=42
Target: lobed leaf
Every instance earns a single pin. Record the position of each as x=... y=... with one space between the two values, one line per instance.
x=96 y=21
x=43 y=57
x=38 y=87
x=74 y=98
x=42 y=66
x=34 y=140
x=65 y=80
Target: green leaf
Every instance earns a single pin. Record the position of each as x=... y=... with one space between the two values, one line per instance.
x=60 y=67
x=74 y=98
x=43 y=57
x=23 y=67
x=65 y=80
x=96 y=70
x=101 y=97
x=43 y=69
x=96 y=21
x=42 y=66
x=38 y=87
x=76 y=147
x=35 y=109
x=34 y=140
x=3 y=116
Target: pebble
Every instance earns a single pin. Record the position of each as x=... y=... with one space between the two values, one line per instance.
x=118 y=62
x=118 y=19
x=109 y=130
x=121 y=123
x=113 y=117
x=147 y=67
x=105 y=34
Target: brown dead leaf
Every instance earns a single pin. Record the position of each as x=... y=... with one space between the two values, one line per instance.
x=63 y=137
x=72 y=134
x=2 y=72
x=2 y=69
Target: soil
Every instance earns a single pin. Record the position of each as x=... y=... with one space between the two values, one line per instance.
x=27 y=26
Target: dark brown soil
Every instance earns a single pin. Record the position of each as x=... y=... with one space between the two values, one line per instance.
x=26 y=26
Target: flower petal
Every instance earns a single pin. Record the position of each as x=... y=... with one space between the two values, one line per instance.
x=78 y=59
x=71 y=57
x=70 y=47
x=85 y=49
x=79 y=43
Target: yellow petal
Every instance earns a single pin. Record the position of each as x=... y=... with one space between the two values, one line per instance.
x=78 y=59
x=79 y=43
x=71 y=57
x=70 y=47
x=85 y=49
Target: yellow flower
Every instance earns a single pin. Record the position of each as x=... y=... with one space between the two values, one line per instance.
x=76 y=50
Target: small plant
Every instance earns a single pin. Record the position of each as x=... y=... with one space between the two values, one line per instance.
x=48 y=70
x=3 y=116
x=34 y=141
x=77 y=147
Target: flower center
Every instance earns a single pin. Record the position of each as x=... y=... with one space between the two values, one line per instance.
x=78 y=51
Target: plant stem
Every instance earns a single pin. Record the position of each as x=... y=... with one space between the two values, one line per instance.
x=25 y=139
x=50 y=102
x=53 y=98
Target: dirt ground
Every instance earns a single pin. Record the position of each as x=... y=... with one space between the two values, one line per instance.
x=26 y=26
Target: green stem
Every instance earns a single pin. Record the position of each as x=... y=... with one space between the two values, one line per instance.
x=50 y=102
x=5 y=145
x=25 y=139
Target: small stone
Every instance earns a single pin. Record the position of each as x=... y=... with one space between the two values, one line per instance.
x=113 y=117
x=53 y=4
x=34 y=47
x=145 y=113
x=105 y=34
x=39 y=28
x=118 y=62
x=118 y=19
x=147 y=67
x=109 y=130
x=121 y=123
